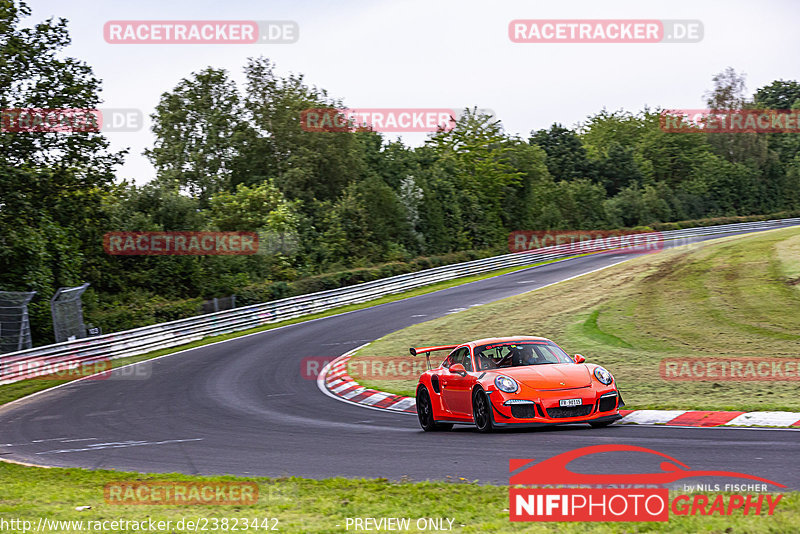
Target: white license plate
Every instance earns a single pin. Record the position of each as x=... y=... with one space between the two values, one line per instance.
x=570 y=402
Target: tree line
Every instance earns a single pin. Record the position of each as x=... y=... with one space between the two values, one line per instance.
x=356 y=203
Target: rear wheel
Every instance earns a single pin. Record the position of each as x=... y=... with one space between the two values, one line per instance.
x=425 y=413
x=482 y=411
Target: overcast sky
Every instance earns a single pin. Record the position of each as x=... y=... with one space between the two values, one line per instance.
x=442 y=53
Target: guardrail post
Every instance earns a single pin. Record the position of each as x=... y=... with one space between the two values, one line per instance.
x=15 y=328
x=67 y=311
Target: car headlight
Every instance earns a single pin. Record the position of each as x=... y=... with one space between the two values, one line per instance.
x=603 y=376
x=504 y=383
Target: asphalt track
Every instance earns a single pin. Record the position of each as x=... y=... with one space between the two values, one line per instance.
x=243 y=407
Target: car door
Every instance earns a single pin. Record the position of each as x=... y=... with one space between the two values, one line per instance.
x=456 y=389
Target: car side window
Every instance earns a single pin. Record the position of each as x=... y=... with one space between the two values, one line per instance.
x=450 y=360
x=462 y=356
x=454 y=358
x=467 y=360
x=459 y=356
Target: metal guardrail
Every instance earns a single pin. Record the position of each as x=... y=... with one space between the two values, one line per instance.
x=19 y=365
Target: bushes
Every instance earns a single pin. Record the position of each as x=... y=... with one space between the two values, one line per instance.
x=133 y=310
x=263 y=292
x=266 y=291
x=715 y=221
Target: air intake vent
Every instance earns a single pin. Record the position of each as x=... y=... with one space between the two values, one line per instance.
x=608 y=403
x=571 y=411
x=523 y=411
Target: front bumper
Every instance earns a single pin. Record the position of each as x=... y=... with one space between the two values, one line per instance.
x=531 y=424
x=545 y=410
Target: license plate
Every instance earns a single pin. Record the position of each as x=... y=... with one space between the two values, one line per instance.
x=570 y=402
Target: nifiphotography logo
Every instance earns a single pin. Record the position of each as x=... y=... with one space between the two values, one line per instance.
x=574 y=496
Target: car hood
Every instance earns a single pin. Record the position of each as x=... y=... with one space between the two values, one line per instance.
x=550 y=376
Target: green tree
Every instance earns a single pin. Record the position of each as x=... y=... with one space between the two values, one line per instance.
x=305 y=165
x=579 y=204
x=473 y=158
x=618 y=169
x=729 y=93
x=200 y=132
x=156 y=206
x=51 y=184
x=636 y=205
x=248 y=209
x=368 y=223
x=604 y=129
x=525 y=201
x=669 y=157
x=780 y=94
x=566 y=157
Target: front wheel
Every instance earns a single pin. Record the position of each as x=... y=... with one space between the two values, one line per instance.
x=425 y=413
x=482 y=411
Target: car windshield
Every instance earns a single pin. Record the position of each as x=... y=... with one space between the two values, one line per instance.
x=499 y=355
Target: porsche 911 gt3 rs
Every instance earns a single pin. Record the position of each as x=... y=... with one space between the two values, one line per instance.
x=513 y=382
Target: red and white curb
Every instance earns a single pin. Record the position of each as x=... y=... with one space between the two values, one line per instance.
x=335 y=382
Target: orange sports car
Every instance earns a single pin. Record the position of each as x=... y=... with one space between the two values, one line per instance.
x=514 y=382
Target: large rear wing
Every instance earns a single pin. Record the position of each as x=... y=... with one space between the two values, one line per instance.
x=427 y=351
x=415 y=351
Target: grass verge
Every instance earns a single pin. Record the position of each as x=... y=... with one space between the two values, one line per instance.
x=17 y=390
x=733 y=297
x=310 y=506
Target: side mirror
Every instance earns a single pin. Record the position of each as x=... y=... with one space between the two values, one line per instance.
x=579 y=358
x=458 y=369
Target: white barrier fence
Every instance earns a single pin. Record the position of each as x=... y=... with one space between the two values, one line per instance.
x=19 y=365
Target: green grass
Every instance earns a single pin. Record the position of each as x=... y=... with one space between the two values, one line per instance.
x=592 y=330
x=17 y=390
x=310 y=506
x=734 y=297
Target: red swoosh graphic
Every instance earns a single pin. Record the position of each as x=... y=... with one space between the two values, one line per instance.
x=554 y=470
